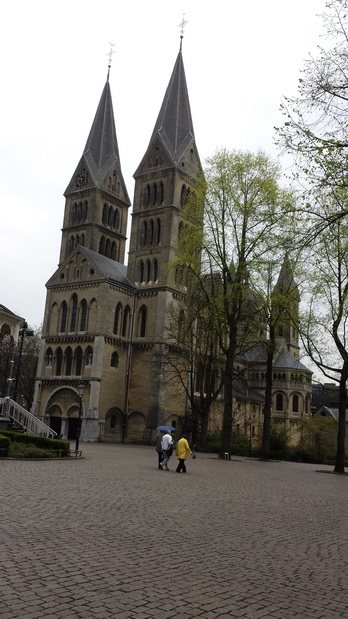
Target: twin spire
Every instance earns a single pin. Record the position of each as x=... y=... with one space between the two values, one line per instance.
x=174 y=128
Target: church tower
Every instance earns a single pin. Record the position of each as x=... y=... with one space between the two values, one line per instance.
x=84 y=360
x=102 y=367
x=97 y=202
x=163 y=180
x=286 y=303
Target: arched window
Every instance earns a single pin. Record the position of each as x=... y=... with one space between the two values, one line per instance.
x=89 y=355
x=83 y=315
x=161 y=193
x=147 y=195
x=78 y=361
x=279 y=402
x=63 y=317
x=113 y=250
x=114 y=360
x=73 y=315
x=154 y=194
x=148 y=270
x=117 y=219
x=295 y=403
x=155 y=270
x=59 y=361
x=158 y=232
x=107 y=248
x=49 y=357
x=85 y=210
x=145 y=233
x=117 y=319
x=111 y=216
x=151 y=233
x=141 y=271
x=68 y=361
x=183 y=195
x=142 y=321
x=105 y=214
x=102 y=246
x=126 y=321
x=113 y=422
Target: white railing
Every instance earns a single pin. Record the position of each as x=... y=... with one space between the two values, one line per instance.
x=28 y=422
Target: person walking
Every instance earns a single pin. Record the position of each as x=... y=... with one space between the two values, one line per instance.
x=182 y=450
x=158 y=447
x=167 y=449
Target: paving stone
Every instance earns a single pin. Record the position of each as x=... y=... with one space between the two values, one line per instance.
x=105 y=538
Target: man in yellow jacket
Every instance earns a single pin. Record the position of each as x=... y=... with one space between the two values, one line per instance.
x=182 y=449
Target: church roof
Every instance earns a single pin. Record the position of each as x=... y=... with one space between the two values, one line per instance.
x=283 y=358
x=174 y=125
x=109 y=268
x=101 y=151
x=286 y=360
x=326 y=411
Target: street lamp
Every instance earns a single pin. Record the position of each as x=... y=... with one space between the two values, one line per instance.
x=78 y=429
x=23 y=331
x=9 y=384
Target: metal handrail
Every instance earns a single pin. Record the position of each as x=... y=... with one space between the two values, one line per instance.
x=28 y=422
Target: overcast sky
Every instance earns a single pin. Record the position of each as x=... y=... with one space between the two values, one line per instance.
x=240 y=59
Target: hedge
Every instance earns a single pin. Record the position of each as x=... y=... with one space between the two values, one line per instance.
x=4 y=445
x=51 y=444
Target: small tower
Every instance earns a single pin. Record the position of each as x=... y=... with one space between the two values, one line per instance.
x=286 y=301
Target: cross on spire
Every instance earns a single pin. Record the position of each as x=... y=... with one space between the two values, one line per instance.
x=110 y=54
x=182 y=28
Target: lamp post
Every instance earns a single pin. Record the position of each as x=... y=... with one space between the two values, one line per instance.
x=9 y=384
x=23 y=331
x=78 y=429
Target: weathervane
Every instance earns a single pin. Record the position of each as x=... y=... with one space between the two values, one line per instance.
x=110 y=54
x=182 y=27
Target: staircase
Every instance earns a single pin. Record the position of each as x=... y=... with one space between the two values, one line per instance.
x=23 y=420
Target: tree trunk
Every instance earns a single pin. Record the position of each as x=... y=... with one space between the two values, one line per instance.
x=341 y=435
x=268 y=397
x=226 y=434
x=204 y=429
x=268 y=407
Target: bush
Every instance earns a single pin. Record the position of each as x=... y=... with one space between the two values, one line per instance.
x=29 y=450
x=4 y=446
x=48 y=444
x=213 y=442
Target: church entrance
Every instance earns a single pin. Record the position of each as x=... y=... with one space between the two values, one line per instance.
x=56 y=425
x=72 y=428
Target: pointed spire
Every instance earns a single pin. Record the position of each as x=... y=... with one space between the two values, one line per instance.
x=286 y=282
x=101 y=147
x=101 y=150
x=174 y=123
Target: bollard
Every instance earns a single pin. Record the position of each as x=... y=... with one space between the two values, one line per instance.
x=226 y=455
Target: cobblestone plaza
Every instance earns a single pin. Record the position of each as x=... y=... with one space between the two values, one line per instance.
x=111 y=536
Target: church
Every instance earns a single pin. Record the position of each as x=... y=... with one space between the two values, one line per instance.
x=102 y=365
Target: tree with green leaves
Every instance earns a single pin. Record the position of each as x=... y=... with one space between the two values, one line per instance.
x=316 y=127
x=325 y=322
x=244 y=215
